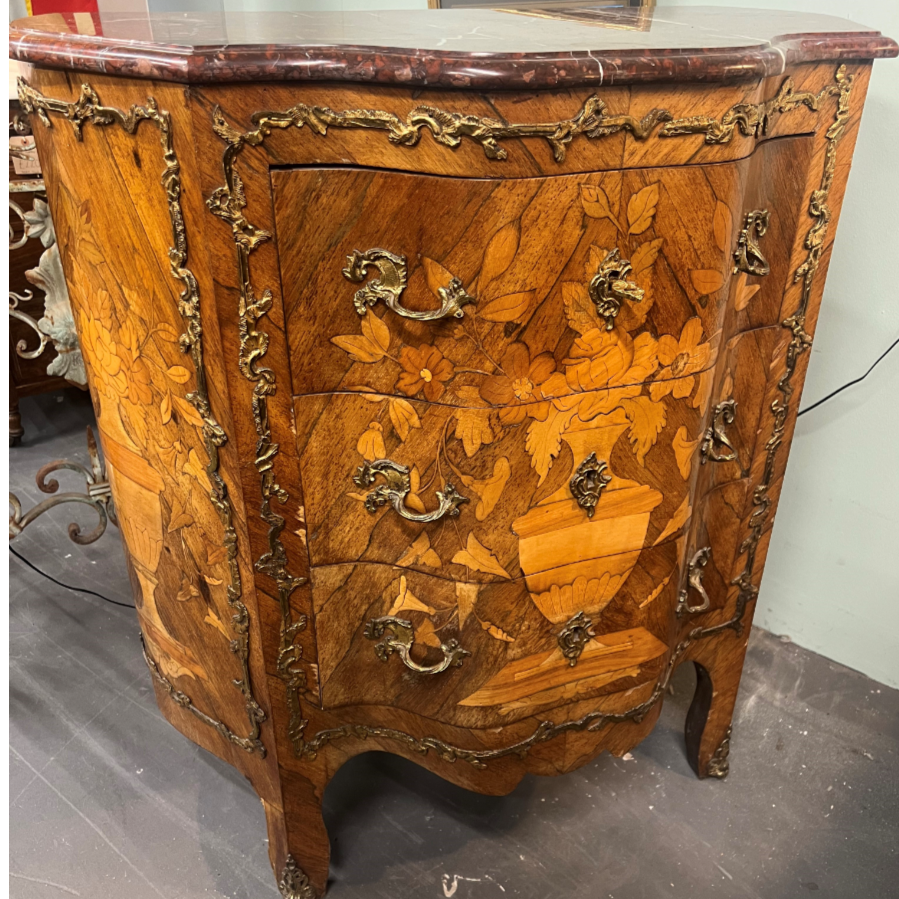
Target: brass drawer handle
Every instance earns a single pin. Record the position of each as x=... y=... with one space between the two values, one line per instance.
x=397 y=489
x=722 y=415
x=398 y=638
x=695 y=571
x=748 y=255
x=392 y=282
x=610 y=287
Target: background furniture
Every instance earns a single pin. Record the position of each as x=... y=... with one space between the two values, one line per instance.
x=44 y=353
x=588 y=342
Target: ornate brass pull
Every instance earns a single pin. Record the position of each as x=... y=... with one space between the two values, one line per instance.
x=748 y=256
x=695 y=571
x=609 y=287
x=587 y=483
x=392 y=282
x=398 y=638
x=397 y=489
x=574 y=637
x=722 y=415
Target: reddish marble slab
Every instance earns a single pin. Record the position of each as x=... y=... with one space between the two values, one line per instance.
x=489 y=49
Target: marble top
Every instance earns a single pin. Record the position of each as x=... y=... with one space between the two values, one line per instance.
x=498 y=48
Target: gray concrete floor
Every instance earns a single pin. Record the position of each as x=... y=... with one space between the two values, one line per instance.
x=108 y=801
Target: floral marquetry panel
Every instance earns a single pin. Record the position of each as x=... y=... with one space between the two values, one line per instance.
x=530 y=256
x=446 y=391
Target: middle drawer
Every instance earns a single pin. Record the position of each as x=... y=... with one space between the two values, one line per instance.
x=538 y=491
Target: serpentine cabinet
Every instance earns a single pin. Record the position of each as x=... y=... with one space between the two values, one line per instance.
x=445 y=383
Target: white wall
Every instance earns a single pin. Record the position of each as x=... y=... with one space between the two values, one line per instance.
x=832 y=578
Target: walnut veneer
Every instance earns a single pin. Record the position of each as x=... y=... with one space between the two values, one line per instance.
x=444 y=423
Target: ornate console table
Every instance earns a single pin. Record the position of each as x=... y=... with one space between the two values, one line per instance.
x=445 y=383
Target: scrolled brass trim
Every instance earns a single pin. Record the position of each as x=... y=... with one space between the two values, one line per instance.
x=719 y=764
x=397 y=488
x=610 y=287
x=588 y=482
x=748 y=255
x=399 y=636
x=574 y=637
x=722 y=415
x=695 y=571
x=392 y=282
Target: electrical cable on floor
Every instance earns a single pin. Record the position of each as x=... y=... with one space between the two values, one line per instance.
x=830 y=396
x=49 y=577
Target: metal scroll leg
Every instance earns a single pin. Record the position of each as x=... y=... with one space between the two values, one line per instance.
x=708 y=729
x=97 y=495
x=16 y=431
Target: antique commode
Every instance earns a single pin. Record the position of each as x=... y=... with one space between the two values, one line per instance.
x=446 y=365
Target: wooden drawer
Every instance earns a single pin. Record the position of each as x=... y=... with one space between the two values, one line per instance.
x=526 y=250
x=520 y=517
x=516 y=665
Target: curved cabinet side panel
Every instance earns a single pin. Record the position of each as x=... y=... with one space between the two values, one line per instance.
x=115 y=188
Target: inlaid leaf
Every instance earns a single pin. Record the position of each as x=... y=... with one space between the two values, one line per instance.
x=213 y=620
x=655 y=593
x=213 y=581
x=466 y=597
x=180 y=517
x=179 y=374
x=187 y=412
x=645 y=255
x=706 y=281
x=701 y=399
x=722 y=226
x=474 y=429
x=359 y=349
x=165 y=409
x=491 y=489
x=197 y=468
x=641 y=208
x=216 y=555
x=647 y=420
x=544 y=440
x=477 y=556
x=420 y=551
x=744 y=292
x=509 y=308
x=435 y=274
x=376 y=330
x=597 y=205
x=371 y=444
x=187 y=592
x=406 y=601
x=579 y=309
x=678 y=520
x=496 y=632
x=426 y=634
x=167 y=332
x=413 y=500
x=684 y=451
x=403 y=416
x=500 y=252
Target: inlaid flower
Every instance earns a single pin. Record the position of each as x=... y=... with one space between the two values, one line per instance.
x=425 y=369
x=517 y=386
x=101 y=347
x=681 y=360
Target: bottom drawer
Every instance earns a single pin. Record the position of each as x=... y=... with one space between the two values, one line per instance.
x=520 y=651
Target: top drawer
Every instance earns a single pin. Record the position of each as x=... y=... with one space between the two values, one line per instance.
x=525 y=255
